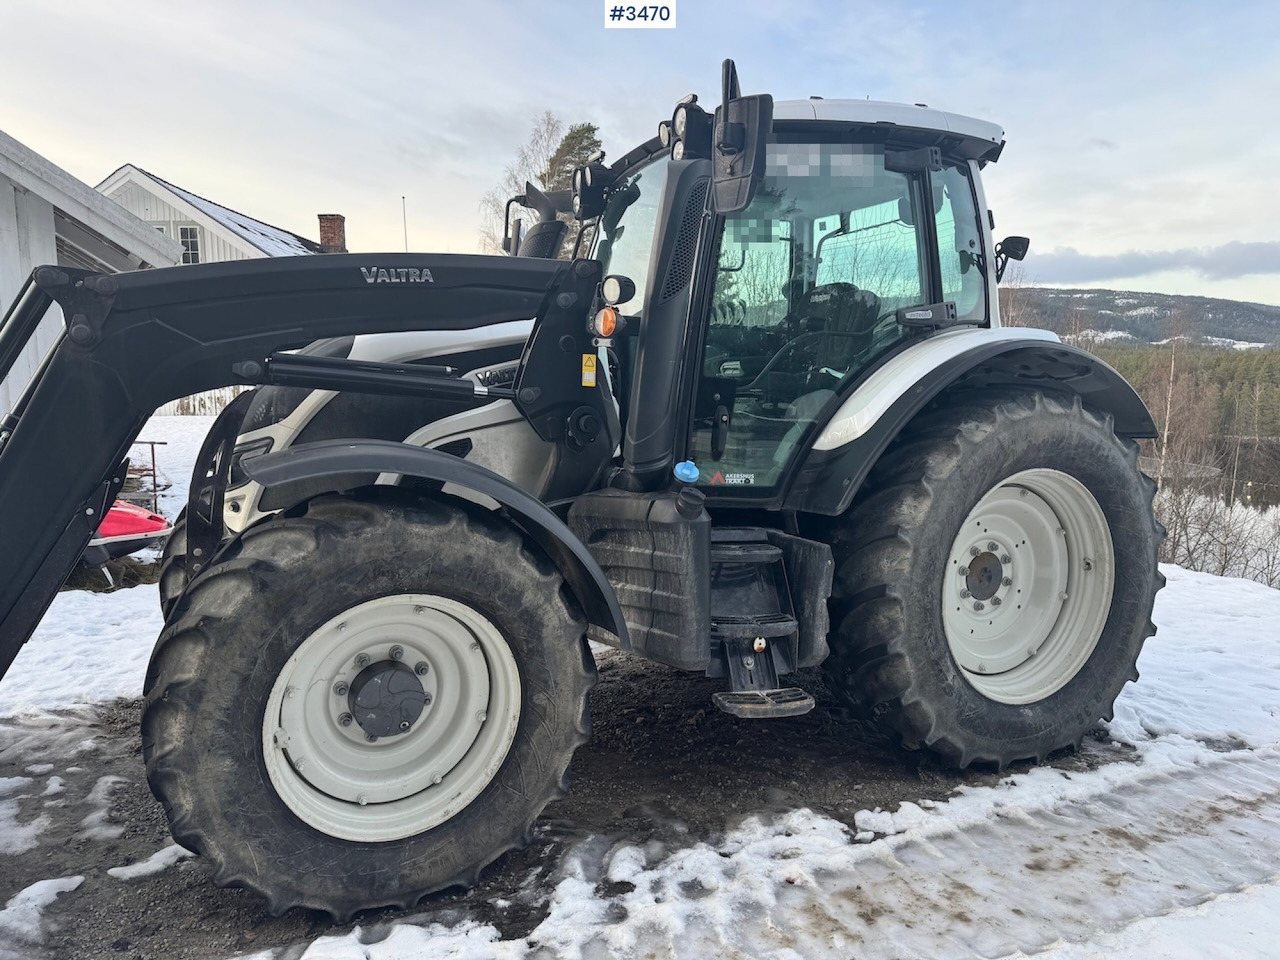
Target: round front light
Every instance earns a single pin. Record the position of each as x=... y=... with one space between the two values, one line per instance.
x=577 y=204
x=682 y=120
x=664 y=133
x=677 y=152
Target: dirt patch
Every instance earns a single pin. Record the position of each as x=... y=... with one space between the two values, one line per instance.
x=663 y=765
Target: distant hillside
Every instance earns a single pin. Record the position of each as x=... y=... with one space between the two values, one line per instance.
x=1147 y=317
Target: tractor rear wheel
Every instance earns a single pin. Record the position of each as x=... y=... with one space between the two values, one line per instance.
x=364 y=704
x=995 y=581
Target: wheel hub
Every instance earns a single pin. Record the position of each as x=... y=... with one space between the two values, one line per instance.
x=985 y=576
x=386 y=699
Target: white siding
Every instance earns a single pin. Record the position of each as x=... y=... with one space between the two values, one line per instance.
x=215 y=246
x=26 y=242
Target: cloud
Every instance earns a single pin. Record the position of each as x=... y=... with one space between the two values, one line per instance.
x=1228 y=261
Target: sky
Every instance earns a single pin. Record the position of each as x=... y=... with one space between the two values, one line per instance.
x=1142 y=136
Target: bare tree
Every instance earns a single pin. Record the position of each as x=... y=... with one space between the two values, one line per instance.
x=547 y=159
x=531 y=161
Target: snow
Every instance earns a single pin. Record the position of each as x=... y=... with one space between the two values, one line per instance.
x=182 y=437
x=160 y=860
x=1245 y=920
x=89 y=647
x=95 y=826
x=20 y=918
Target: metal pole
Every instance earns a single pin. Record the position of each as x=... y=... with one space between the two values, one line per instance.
x=405 y=215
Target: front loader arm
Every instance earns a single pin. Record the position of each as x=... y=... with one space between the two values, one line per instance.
x=135 y=341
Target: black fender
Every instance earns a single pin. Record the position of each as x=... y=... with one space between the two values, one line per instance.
x=334 y=458
x=828 y=480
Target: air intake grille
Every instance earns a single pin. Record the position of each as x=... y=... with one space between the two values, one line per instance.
x=686 y=243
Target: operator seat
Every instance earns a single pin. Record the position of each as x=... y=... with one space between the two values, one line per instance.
x=845 y=316
x=544 y=240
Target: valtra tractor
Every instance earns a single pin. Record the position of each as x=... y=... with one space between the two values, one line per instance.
x=762 y=416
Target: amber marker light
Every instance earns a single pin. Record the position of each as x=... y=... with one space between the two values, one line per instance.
x=606 y=321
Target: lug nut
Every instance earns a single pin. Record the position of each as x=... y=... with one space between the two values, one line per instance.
x=979 y=605
x=426 y=699
x=362 y=660
x=1007 y=581
x=421 y=668
x=291 y=692
x=300 y=765
x=340 y=688
x=482 y=716
x=1005 y=558
x=362 y=800
x=404 y=724
x=397 y=652
x=974 y=551
x=964 y=571
x=965 y=594
x=345 y=720
x=1063 y=595
x=992 y=546
x=371 y=738
x=996 y=601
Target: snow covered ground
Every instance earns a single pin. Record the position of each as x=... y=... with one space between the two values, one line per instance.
x=1169 y=849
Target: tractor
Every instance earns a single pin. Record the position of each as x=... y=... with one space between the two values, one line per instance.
x=760 y=416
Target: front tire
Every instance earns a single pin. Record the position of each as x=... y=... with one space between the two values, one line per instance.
x=366 y=703
x=995 y=581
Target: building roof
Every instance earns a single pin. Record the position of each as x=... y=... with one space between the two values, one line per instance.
x=86 y=220
x=273 y=241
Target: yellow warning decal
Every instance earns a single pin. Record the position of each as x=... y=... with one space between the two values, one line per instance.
x=588 y=369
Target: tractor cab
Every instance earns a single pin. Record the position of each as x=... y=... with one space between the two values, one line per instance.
x=860 y=230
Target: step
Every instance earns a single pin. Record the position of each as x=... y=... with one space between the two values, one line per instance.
x=768 y=625
x=745 y=553
x=762 y=704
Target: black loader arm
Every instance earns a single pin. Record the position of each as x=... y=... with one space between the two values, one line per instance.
x=134 y=341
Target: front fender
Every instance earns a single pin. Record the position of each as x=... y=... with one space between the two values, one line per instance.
x=955 y=361
x=334 y=458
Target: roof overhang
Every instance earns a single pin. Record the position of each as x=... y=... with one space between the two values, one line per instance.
x=93 y=228
x=973 y=138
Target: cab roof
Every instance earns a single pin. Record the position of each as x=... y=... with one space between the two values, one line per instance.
x=982 y=137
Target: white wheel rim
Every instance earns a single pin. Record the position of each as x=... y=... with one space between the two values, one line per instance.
x=343 y=784
x=1027 y=587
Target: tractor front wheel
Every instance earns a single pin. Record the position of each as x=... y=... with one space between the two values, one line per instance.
x=995 y=581
x=366 y=703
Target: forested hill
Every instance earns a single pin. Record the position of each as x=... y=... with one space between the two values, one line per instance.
x=1147 y=317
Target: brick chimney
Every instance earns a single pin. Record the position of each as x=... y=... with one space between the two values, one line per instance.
x=333 y=233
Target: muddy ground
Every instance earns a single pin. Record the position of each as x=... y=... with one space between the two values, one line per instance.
x=663 y=765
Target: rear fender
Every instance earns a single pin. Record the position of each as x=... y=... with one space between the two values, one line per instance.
x=334 y=458
x=955 y=363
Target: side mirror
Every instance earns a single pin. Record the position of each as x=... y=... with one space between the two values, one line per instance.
x=742 y=128
x=1010 y=248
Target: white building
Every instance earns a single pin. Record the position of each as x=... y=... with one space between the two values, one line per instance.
x=208 y=231
x=48 y=216
x=211 y=233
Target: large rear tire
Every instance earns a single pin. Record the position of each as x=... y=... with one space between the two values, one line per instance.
x=994 y=582
x=367 y=703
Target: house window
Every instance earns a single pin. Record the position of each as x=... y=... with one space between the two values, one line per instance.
x=190 y=238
